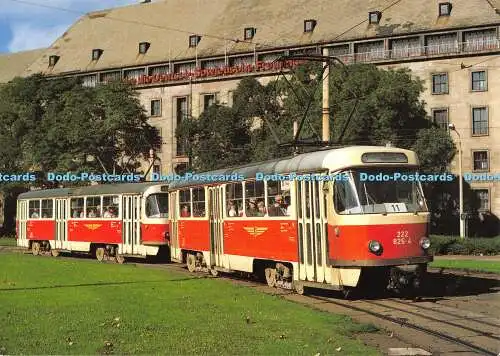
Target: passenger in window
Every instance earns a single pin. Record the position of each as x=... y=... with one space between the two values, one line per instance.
x=288 y=205
x=35 y=215
x=261 y=209
x=232 y=211
x=185 y=212
x=76 y=214
x=107 y=213
x=82 y=215
x=91 y=213
x=45 y=216
x=277 y=209
x=252 y=208
x=98 y=211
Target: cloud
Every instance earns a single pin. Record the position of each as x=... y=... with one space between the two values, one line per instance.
x=38 y=26
x=26 y=36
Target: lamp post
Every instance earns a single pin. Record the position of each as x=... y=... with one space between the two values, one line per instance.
x=460 y=182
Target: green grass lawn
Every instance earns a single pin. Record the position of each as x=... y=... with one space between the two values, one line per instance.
x=78 y=306
x=479 y=266
x=7 y=241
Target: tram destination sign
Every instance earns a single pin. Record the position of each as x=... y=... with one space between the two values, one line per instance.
x=384 y=157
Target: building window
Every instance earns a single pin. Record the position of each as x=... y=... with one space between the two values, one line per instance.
x=480 y=40
x=53 y=60
x=156 y=107
x=440 y=118
x=440 y=83
x=89 y=81
x=480 y=121
x=309 y=25
x=483 y=196
x=156 y=169
x=481 y=161
x=181 y=113
x=374 y=17
x=208 y=100
x=159 y=70
x=444 y=9
x=143 y=47
x=111 y=77
x=479 y=81
x=369 y=51
x=96 y=54
x=194 y=40
x=441 y=44
x=249 y=33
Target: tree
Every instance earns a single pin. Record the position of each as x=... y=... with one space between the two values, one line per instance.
x=219 y=138
x=57 y=125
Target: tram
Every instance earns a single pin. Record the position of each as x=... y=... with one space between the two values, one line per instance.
x=323 y=227
x=108 y=221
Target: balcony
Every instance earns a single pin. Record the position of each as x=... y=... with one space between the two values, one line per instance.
x=422 y=52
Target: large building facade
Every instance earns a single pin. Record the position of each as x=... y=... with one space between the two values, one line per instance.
x=185 y=55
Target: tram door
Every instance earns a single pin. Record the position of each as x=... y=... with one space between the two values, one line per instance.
x=312 y=220
x=216 y=226
x=22 y=213
x=175 y=252
x=61 y=224
x=131 y=229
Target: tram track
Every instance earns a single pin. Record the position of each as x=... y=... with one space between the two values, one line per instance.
x=405 y=322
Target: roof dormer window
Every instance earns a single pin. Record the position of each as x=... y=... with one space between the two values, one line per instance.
x=194 y=40
x=374 y=17
x=249 y=33
x=143 y=47
x=53 y=60
x=309 y=25
x=444 y=9
x=96 y=54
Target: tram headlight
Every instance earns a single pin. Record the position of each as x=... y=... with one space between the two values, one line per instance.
x=374 y=246
x=425 y=243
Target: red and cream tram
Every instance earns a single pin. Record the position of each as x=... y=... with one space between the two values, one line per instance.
x=109 y=221
x=307 y=231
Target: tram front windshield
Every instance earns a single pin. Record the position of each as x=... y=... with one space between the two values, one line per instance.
x=378 y=191
x=157 y=206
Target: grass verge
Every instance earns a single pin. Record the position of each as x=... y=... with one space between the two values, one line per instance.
x=471 y=265
x=77 y=306
x=7 y=241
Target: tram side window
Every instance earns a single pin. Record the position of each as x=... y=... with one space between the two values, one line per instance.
x=345 y=199
x=94 y=208
x=278 y=199
x=110 y=206
x=157 y=205
x=77 y=206
x=234 y=200
x=185 y=203
x=47 y=211
x=34 y=209
x=254 y=196
x=199 y=202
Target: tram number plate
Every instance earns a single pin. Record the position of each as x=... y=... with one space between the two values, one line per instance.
x=402 y=238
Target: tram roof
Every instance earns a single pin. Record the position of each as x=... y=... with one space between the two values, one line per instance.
x=329 y=159
x=123 y=188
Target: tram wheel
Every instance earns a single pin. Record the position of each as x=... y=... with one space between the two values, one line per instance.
x=54 y=253
x=191 y=262
x=214 y=272
x=100 y=253
x=119 y=259
x=35 y=248
x=270 y=277
x=299 y=288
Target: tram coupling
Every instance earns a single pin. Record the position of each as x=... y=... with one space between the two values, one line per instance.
x=406 y=278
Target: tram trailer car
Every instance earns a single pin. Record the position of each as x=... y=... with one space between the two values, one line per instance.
x=108 y=221
x=329 y=234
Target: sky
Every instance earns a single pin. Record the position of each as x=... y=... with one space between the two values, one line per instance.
x=25 y=25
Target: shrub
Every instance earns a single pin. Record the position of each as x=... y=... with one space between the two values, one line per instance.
x=454 y=245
